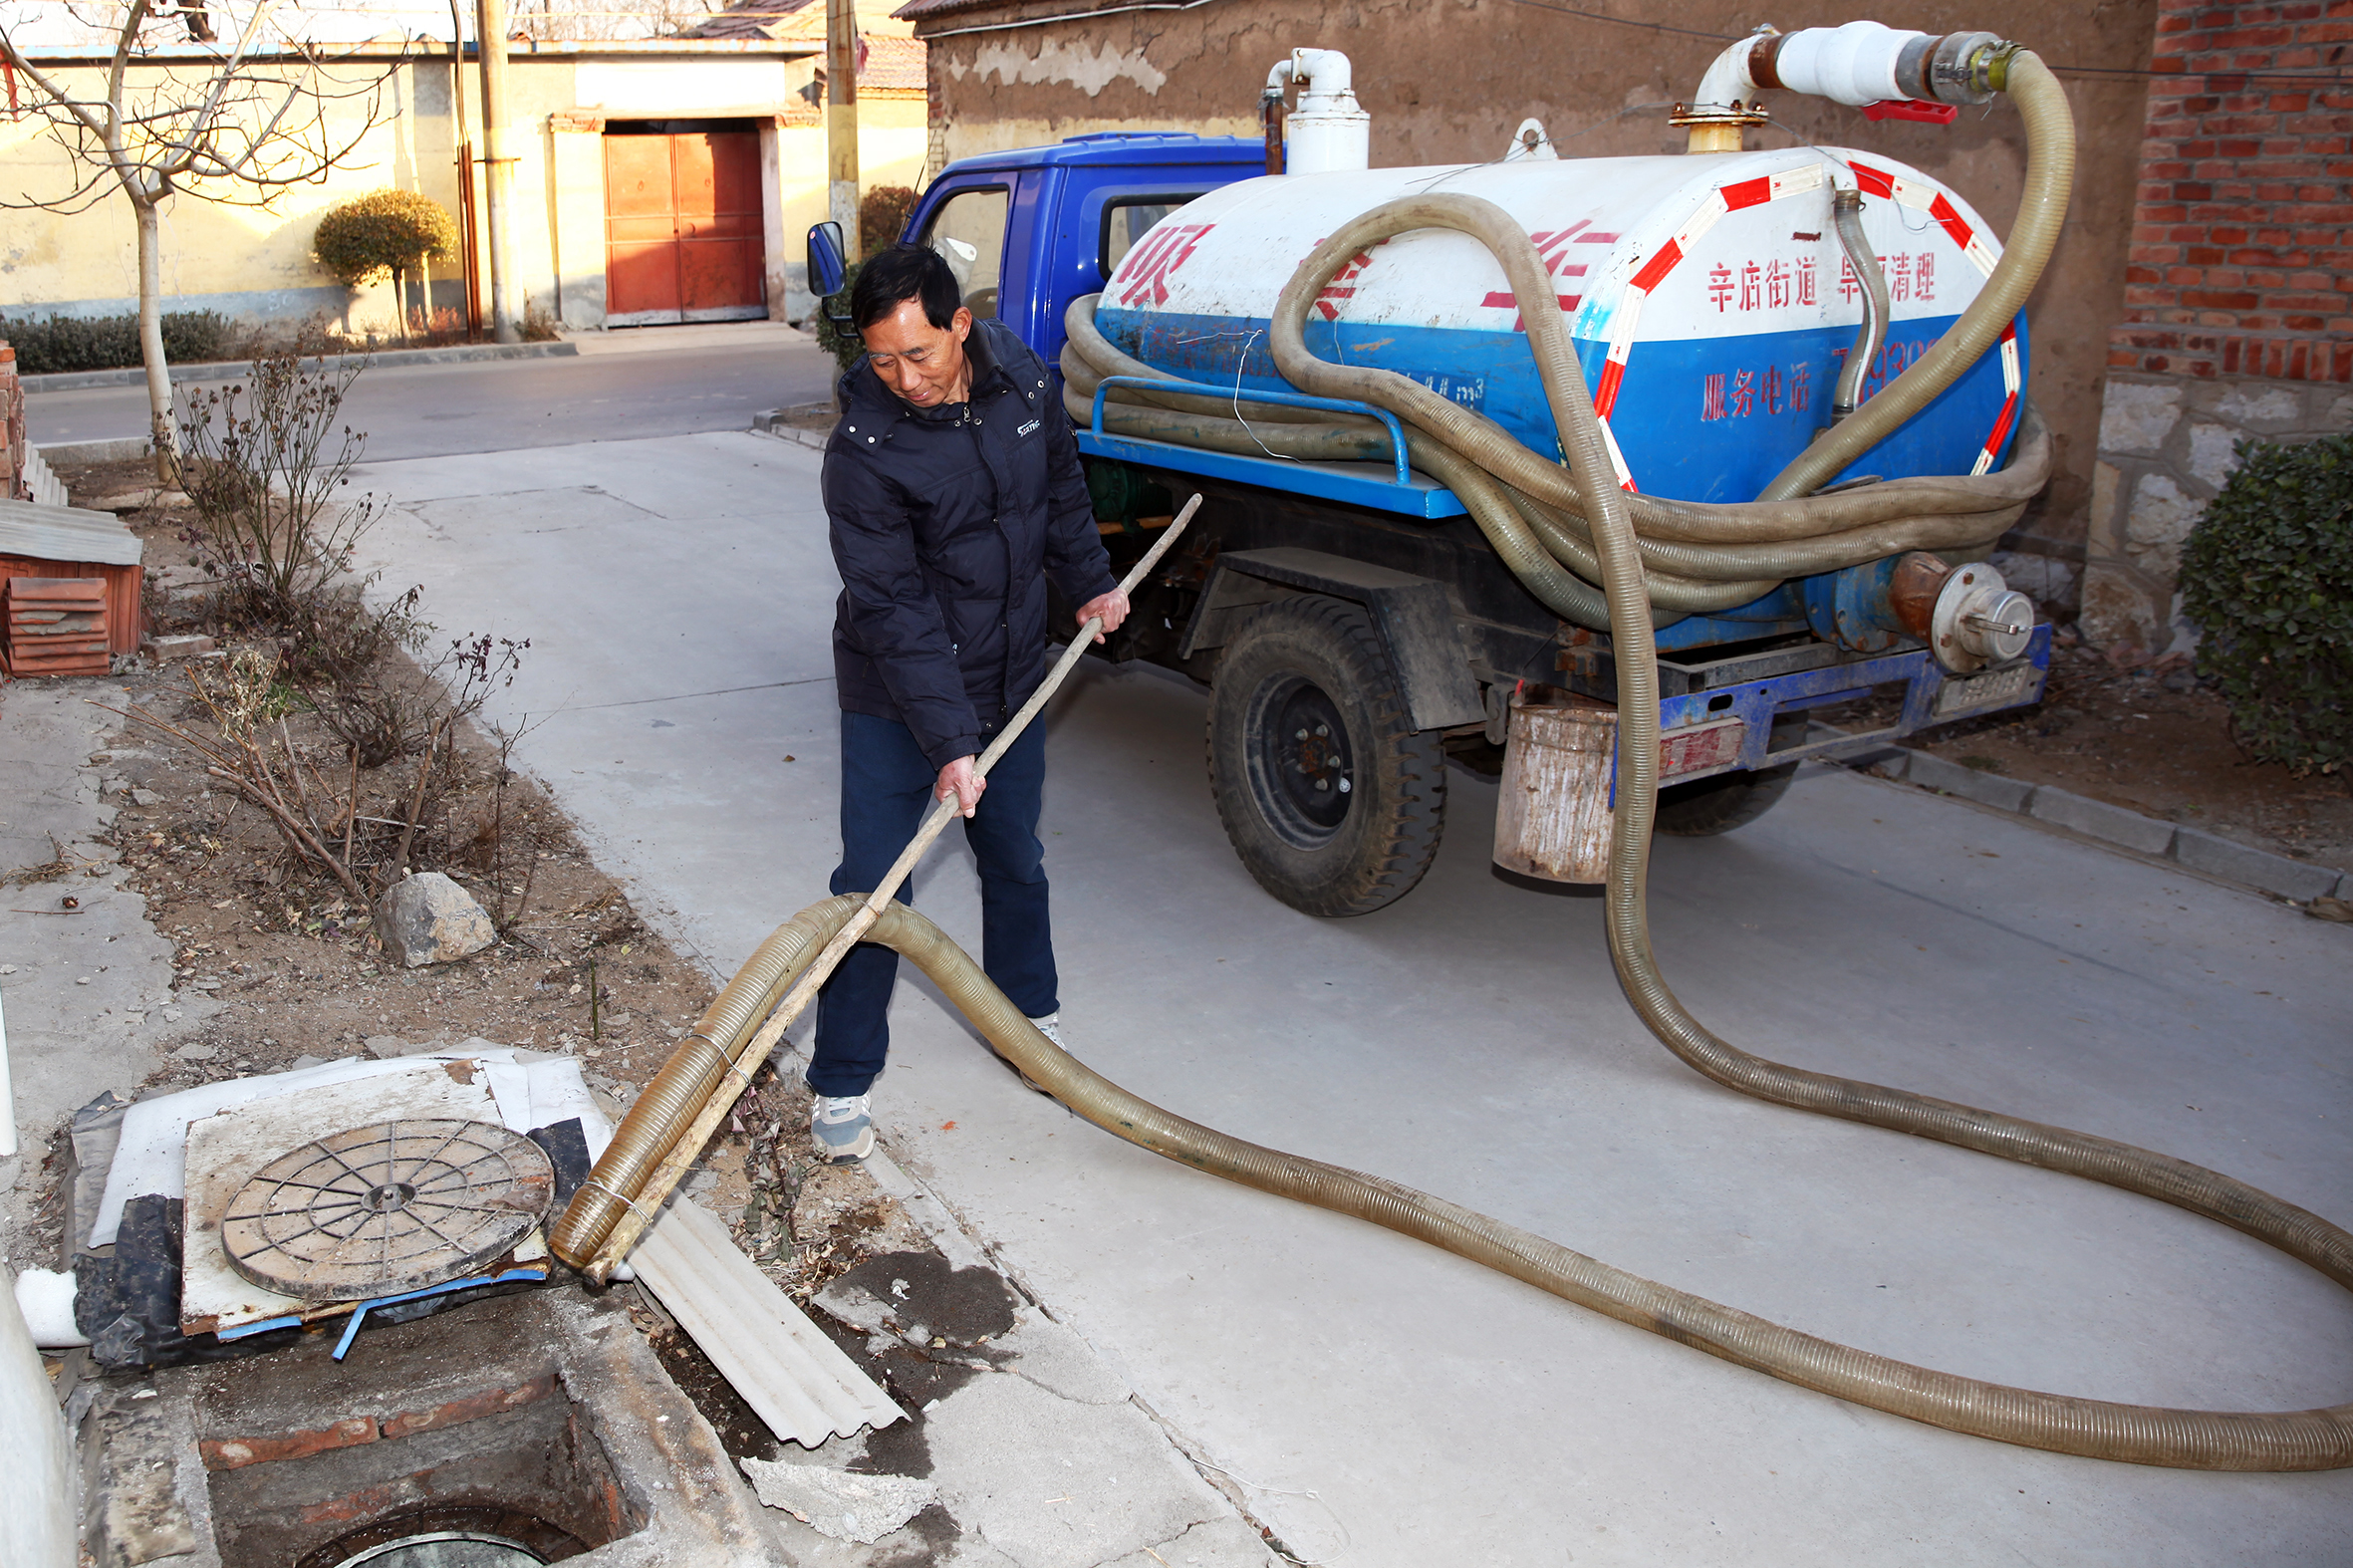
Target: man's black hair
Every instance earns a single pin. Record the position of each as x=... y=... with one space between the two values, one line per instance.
x=901 y=272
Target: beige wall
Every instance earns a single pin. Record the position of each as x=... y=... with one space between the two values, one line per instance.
x=1449 y=79
x=256 y=263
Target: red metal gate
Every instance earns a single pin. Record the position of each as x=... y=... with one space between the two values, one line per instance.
x=682 y=228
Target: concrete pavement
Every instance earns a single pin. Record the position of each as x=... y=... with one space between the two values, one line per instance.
x=86 y=993
x=1382 y=1404
x=622 y=385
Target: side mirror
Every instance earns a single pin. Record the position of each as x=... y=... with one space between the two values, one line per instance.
x=826 y=266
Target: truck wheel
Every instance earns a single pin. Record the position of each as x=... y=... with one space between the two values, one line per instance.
x=1719 y=804
x=1331 y=797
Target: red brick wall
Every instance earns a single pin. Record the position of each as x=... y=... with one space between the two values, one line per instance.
x=2242 y=260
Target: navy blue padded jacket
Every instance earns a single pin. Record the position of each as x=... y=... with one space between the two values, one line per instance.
x=946 y=524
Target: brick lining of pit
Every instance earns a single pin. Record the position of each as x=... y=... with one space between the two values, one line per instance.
x=540 y=1419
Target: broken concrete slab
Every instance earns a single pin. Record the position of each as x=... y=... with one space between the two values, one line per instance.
x=1220 y=1543
x=841 y=1504
x=427 y=918
x=1058 y=1361
x=1053 y=1484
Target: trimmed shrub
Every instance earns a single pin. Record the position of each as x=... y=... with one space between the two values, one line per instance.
x=2267 y=578
x=882 y=216
x=385 y=231
x=109 y=342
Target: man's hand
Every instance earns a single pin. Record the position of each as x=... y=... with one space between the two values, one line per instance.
x=1112 y=606
x=957 y=782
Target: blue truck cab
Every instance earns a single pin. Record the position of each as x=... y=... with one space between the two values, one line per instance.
x=1065 y=214
x=1356 y=630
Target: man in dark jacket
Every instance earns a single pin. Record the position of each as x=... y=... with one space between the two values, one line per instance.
x=952 y=491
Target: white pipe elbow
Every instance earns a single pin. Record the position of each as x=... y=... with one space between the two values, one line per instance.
x=1728 y=81
x=1325 y=71
x=1858 y=64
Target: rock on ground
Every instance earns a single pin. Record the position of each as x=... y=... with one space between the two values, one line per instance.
x=428 y=918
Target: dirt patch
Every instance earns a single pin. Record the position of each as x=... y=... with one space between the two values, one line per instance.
x=301 y=976
x=2155 y=740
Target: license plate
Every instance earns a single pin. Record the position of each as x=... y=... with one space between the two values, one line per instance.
x=1998 y=689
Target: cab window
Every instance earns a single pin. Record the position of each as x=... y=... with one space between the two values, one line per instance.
x=969 y=231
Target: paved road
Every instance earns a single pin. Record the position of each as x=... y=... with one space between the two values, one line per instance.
x=718 y=383
x=1386 y=1404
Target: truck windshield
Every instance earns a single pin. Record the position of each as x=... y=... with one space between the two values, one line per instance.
x=969 y=231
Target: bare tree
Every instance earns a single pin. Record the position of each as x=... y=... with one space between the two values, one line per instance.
x=235 y=124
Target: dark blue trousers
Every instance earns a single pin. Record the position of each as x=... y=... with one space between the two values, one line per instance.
x=887 y=787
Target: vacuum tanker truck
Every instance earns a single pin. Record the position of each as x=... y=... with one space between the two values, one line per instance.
x=1806 y=368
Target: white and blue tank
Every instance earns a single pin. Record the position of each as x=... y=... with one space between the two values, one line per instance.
x=1711 y=301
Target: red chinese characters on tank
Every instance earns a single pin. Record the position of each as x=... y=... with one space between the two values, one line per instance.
x=1144 y=275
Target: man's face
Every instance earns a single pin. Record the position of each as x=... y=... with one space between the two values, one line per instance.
x=923 y=363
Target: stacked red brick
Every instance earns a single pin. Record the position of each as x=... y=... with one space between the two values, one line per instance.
x=2242 y=260
x=55 y=625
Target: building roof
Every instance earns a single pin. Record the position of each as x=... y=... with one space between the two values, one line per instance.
x=922 y=11
x=756 y=19
x=893 y=62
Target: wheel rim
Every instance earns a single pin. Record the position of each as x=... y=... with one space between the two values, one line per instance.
x=1301 y=768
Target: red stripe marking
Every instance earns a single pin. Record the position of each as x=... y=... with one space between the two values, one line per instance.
x=1748 y=193
x=1954 y=224
x=1604 y=397
x=2009 y=334
x=2001 y=425
x=1870 y=179
x=1658 y=266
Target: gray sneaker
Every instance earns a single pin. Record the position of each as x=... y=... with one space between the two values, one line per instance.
x=841 y=1127
x=1051 y=1027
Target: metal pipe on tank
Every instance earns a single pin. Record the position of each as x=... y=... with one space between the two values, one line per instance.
x=1328 y=131
x=1846 y=216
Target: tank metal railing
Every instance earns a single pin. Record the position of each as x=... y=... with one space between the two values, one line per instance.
x=1287 y=399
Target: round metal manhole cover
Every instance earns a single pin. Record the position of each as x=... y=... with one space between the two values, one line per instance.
x=384 y=1208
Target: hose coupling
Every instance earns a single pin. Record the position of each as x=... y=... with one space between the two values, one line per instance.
x=1965 y=69
x=1967 y=615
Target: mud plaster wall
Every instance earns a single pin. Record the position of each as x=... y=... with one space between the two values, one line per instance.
x=1446 y=81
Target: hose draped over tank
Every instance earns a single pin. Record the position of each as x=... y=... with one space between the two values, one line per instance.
x=1697 y=557
x=1605 y=523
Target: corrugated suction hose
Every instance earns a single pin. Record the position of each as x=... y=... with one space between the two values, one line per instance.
x=2310 y=1439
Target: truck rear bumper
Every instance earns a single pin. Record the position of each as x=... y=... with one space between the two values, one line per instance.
x=1715 y=732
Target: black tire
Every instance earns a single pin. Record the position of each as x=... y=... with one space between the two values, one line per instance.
x=1709 y=806
x=1304 y=697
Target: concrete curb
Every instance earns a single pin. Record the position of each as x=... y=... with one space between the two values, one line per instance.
x=773 y=422
x=2193 y=848
x=230 y=369
x=122 y=449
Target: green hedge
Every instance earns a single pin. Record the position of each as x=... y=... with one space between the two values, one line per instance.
x=2268 y=576
x=105 y=342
